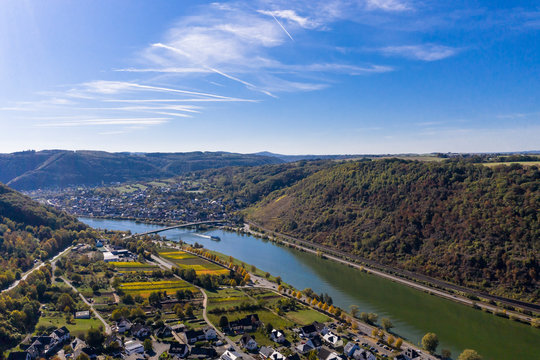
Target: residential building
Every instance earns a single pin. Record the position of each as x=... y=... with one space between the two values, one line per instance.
x=133 y=347
x=248 y=342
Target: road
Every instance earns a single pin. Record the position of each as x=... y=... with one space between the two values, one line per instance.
x=264 y=283
x=167 y=265
x=410 y=283
x=36 y=267
x=108 y=329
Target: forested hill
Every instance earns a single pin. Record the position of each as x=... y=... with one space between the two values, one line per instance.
x=463 y=223
x=30 y=170
x=30 y=231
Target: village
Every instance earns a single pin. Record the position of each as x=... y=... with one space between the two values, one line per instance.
x=148 y=298
x=167 y=200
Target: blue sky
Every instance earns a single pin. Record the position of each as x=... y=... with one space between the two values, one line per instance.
x=325 y=77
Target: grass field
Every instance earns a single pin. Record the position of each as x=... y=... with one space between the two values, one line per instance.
x=146 y=287
x=132 y=266
x=79 y=326
x=226 y=298
x=185 y=260
x=522 y=163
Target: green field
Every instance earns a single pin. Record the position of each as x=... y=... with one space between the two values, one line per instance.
x=57 y=319
x=227 y=298
x=144 y=288
x=132 y=266
x=186 y=260
x=522 y=163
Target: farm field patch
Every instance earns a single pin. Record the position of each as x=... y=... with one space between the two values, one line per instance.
x=144 y=288
x=186 y=260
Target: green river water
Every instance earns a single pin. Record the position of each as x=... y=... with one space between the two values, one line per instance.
x=412 y=312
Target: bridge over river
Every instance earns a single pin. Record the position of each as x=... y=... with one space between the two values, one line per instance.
x=176 y=227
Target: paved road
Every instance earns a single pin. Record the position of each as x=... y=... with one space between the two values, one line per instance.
x=167 y=265
x=401 y=280
x=108 y=329
x=36 y=267
x=262 y=282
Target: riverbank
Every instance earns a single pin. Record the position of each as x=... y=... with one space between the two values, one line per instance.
x=433 y=287
x=413 y=312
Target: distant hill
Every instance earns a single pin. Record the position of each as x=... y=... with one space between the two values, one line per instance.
x=30 y=170
x=463 y=223
x=292 y=158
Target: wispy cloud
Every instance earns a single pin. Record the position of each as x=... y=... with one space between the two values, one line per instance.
x=291 y=15
x=426 y=52
x=388 y=5
x=105 y=122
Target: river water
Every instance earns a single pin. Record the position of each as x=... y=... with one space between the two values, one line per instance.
x=412 y=312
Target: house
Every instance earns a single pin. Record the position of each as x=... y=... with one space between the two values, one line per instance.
x=133 y=347
x=325 y=354
x=265 y=352
x=99 y=243
x=276 y=356
x=410 y=354
x=304 y=348
x=294 y=356
x=209 y=333
x=320 y=327
x=112 y=342
x=60 y=335
x=179 y=350
x=123 y=325
x=277 y=336
x=231 y=355
x=203 y=353
x=140 y=331
x=82 y=315
x=333 y=340
x=308 y=331
x=315 y=342
x=350 y=348
x=363 y=355
x=109 y=257
x=78 y=344
x=192 y=336
x=164 y=331
x=248 y=342
x=248 y=323
x=19 y=355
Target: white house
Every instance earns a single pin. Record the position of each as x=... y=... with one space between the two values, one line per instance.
x=276 y=356
x=230 y=355
x=82 y=314
x=133 y=347
x=333 y=340
x=123 y=325
x=277 y=336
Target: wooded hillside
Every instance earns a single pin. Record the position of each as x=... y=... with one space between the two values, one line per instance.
x=463 y=223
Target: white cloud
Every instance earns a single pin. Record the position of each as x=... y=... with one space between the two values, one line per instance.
x=292 y=16
x=387 y=5
x=105 y=122
x=427 y=52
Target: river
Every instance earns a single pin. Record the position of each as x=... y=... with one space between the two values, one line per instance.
x=412 y=312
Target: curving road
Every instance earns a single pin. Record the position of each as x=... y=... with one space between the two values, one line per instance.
x=36 y=267
x=108 y=329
